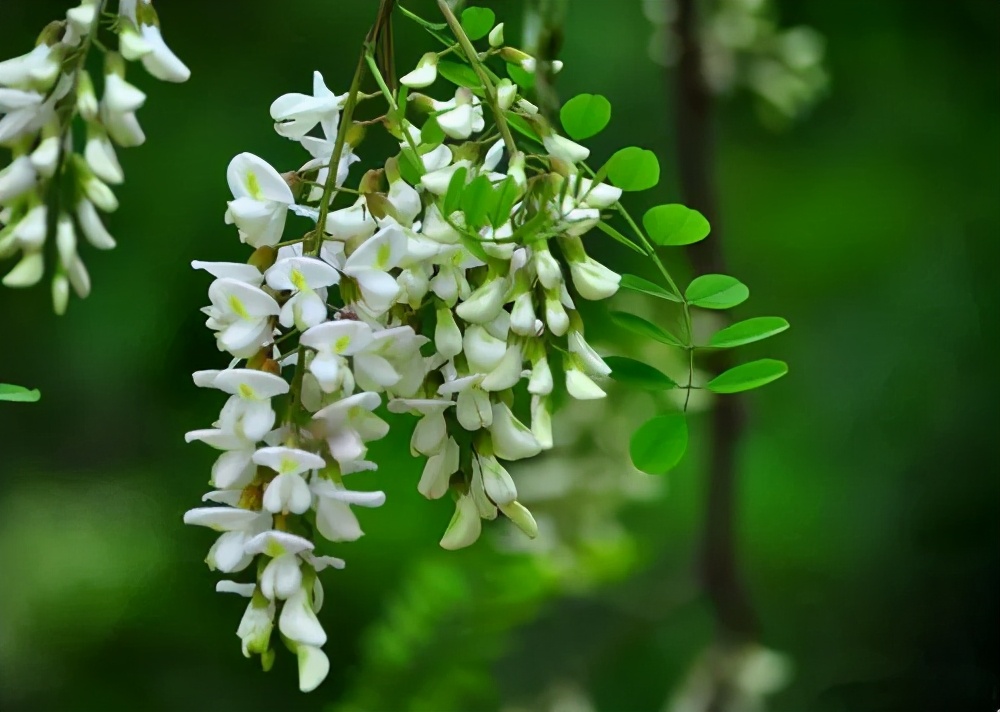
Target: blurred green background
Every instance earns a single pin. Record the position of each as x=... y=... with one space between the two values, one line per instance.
x=868 y=528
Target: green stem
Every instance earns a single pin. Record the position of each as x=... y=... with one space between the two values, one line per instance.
x=477 y=65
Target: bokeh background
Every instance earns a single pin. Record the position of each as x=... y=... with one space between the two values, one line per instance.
x=868 y=503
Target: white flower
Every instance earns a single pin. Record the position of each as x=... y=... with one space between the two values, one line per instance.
x=562 y=148
x=255 y=628
x=298 y=621
x=160 y=60
x=35 y=70
x=369 y=266
x=540 y=382
x=261 y=200
x=425 y=73
x=462 y=116
x=581 y=386
x=122 y=127
x=483 y=351
x=447 y=335
x=599 y=195
x=508 y=372
x=349 y=423
x=439 y=468
x=473 y=408
x=282 y=577
x=334 y=518
x=593 y=280
x=431 y=433
x=465 y=526
x=485 y=303
x=511 y=439
x=314 y=666
x=519 y=515
x=496 y=36
x=30 y=231
x=92 y=226
x=590 y=359
x=100 y=156
x=240 y=271
x=333 y=341
x=496 y=480
x=248 y=412
x=240 y=313
x=239 y=526
x=26 y=273
x=302 y=276
x=120 y=96
x=352 y=224
x=24 y=114
x=541 y=421
x=234 y=467
x=296 y=114
x=288 y=492
x=522 y=315
x=17 y=179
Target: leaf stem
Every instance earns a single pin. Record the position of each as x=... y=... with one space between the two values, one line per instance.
x=473 y=57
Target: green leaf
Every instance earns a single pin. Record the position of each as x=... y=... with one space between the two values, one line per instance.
x=638 y=325
x=506 y=193
x=748 y=375
x=716 y=291
x=675 y=225
x=746 y=332
x=634 y=169
x=523 y=127
x=453 y=196
x=410 y=167
x=462 y=75
x=659 y=444
x=477 y=201
x=432 y=133
x=617 y=236
x=477 y=22
x=18 y=394
x=525 y=80
x=638 y=374
x=585 y=115
x=638 y=284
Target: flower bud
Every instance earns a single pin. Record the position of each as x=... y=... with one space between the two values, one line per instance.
x=31 y=230
x=519 y=515
x=435 y=479
x=581 y=386
x=522 y=316
x=17 y=179
x=548 y=270
x=45 y=158
x=26 y=273
x=447 y=336
x=564 y=149
x=482 y=350
x=60 y=294
x=497 y=481
x=506 y=94
x=511 y=439
x=541 y=421
x=92 y=226
x=496 y=36
x=101 y=158
x=484 y=303
x=540 y=382
x=425 y=73
x=465 y=526
x=314 y=666
x=86 y=98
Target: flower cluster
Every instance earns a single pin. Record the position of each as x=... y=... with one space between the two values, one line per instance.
x=444 y=288
x=50 y=189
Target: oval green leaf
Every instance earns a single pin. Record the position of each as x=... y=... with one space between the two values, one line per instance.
x=477 y=22
x=659 y=444
x=523 y=127
x=746 y=332
x=18 y=394
x=461 y=75
x=638 y=284
x=748 y=376
x=585 y=115
x=675 y=224
x=432 y=133
x=638 y=325
x=638 y=374
x=634 y=169
x=716 y=291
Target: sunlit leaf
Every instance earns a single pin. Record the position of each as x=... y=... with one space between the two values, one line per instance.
x=675 y=225
x=634 y=169
x=18 y=394
x=477 y=22
x=506 y=195
x=638 y=284
x=523 y=127
x=477 y=201
x=746 y=332
x=659 y=444
x=638 y=325
x=716 y=291
x=585 y=115
x=748 y=376
x=638 y=374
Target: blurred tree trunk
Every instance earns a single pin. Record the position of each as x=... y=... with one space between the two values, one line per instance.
x=695 y=147
x=543 y=40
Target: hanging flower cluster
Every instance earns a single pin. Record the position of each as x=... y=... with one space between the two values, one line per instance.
x=417 y=296
x=54 y=188
x=445 y=286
